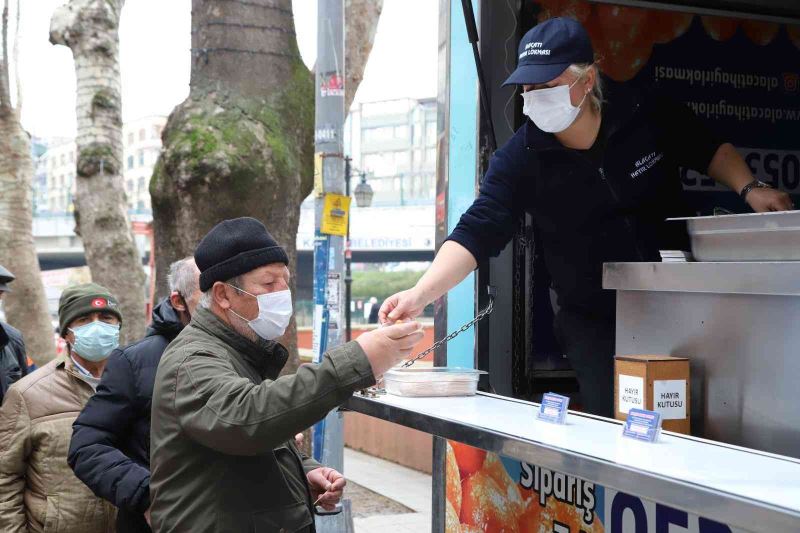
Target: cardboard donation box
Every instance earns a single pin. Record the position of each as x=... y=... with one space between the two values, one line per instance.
x=656 y=383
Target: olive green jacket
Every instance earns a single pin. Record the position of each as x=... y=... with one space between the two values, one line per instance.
x=222 y=452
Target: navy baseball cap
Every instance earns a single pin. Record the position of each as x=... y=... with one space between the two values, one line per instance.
x=548 y=49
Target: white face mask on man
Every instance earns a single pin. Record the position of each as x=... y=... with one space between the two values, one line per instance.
x=274 y=313
x=551 y=109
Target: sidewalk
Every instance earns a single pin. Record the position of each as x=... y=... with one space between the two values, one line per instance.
x=407 y=487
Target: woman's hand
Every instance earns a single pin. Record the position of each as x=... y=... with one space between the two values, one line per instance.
x=405 y=305
x=764 y=200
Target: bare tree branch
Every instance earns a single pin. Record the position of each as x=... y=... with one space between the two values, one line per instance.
x=26 y=306
x=15 y=58
x=361 y=23
x=5 y=92
x=90 y=28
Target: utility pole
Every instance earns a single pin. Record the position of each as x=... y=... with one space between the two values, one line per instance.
x=331 y=211
x=348 y=256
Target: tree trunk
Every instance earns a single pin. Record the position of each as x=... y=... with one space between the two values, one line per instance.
x=242 y=143
x=361 y=23
x=26 y=306
x=90 y=29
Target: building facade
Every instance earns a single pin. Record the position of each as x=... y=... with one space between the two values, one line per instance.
x=55 y=177
x=55 y=169
x=142 y=146
x=394 y=142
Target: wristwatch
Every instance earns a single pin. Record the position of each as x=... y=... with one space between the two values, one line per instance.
x=755 y=184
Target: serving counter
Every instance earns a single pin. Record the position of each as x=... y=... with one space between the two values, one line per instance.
x=739 y=326
x=707 y=486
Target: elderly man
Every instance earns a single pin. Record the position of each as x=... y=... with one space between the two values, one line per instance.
x=110 y=448
x=223 y=459
x=12 y=348
x=38 y=491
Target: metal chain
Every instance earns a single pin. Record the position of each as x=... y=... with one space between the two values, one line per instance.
x=245 y=25
x=518 y=321
x=202 y=53
x=270 y=5
x=522 y=372
x=376 y=390
x=480 y=316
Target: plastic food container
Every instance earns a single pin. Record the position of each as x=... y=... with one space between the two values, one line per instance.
x=746 y=237
x=436 y=381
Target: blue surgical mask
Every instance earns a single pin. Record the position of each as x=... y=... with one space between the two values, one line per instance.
x=95 y=341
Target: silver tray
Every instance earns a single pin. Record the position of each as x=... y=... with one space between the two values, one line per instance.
x=746 y=237
x=435 y=381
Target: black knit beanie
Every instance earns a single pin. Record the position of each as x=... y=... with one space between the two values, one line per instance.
x=235 y=247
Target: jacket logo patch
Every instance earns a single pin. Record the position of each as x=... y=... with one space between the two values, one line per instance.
x=646 y=163
x=99 y=302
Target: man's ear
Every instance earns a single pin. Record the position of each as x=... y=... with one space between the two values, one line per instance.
x=219 y=293
x=177 y=302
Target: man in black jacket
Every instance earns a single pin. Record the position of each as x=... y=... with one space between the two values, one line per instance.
x=13 y=362
x=110 y=448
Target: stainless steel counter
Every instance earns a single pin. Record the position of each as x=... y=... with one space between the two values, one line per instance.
x=750 y=490
x=739 y=324
x=776 y=279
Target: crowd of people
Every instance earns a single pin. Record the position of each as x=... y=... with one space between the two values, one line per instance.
x=192 y=428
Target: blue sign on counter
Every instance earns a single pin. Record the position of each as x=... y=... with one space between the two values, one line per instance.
x=642 y=425
x=554 y=408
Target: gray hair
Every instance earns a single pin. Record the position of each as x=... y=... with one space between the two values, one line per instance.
x=207 y=297
x=182 y=277
x=596 y=96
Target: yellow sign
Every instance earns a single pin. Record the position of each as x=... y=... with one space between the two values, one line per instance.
x=318 y=174
x=334 y=214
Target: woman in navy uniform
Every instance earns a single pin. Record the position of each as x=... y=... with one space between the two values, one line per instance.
x=596 y=165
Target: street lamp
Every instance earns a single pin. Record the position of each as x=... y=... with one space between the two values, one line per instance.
x=363 y=194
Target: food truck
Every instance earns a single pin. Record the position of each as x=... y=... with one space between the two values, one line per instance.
x=733 y=312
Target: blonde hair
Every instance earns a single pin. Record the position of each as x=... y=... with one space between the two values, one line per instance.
x=596 y=96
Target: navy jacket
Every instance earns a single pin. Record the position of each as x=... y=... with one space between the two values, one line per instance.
x=605 y=204
x=13 y=361
x=110 y=447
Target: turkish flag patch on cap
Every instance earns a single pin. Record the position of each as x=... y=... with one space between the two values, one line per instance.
x=99 y=303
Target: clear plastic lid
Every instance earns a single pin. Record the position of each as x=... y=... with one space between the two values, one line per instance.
x=433 y=374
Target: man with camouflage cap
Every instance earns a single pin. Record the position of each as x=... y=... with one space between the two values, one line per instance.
x=38 y=490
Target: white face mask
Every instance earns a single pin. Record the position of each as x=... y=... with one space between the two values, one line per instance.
x=551 y=109
x=274 y=313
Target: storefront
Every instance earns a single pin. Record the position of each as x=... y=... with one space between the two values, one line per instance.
x=737 y=65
